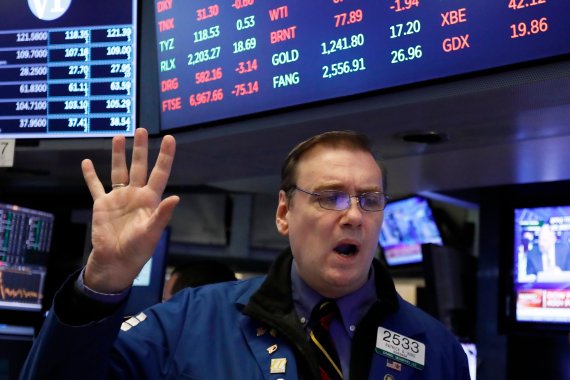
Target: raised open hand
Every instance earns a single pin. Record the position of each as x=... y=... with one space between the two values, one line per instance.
x=129 y=219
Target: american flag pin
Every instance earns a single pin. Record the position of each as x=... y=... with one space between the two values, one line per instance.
x=394 y=365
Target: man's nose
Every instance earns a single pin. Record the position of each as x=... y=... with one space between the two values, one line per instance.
x=353 y=214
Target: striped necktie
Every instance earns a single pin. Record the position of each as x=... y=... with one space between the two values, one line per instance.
x=321 y=342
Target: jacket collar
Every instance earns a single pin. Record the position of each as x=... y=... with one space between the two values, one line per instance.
x=272 y=305
x=274 y=294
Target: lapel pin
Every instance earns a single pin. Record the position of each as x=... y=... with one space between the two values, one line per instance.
x=261 y=330
x=394 y=365
x=278 y=365
x=271 y=349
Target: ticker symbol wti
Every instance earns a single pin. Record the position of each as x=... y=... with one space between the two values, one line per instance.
x=48 y=10
x=279 y=13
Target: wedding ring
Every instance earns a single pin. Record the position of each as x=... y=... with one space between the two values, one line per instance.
x=117 y=185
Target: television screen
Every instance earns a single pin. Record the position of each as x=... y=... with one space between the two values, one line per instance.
x=541 y=262
x=67 y=68
x=148 y=285
x=219 y=60
x=408 y=223
x=25 y=239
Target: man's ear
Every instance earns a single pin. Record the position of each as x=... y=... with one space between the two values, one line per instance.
x=281 y=215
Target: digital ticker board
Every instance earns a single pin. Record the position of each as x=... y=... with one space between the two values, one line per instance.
x=224 y=59
x=67 y=68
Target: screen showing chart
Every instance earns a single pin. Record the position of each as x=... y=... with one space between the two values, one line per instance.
x=25 y=240
x=219 y=60
x=67 y=68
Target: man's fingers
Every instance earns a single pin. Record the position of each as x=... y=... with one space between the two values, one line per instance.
x=161 y=171
x=95 y=186
x=119 y=171
x=163 y=213
x=139 y=162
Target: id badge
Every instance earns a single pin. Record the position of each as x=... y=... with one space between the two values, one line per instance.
x=400 y=348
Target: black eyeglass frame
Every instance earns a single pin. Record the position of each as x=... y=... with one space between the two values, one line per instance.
x=359 y=197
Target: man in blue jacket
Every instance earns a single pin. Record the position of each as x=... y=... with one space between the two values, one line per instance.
x=331 y=208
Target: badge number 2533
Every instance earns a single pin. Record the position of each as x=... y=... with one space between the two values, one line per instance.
x=400 y=348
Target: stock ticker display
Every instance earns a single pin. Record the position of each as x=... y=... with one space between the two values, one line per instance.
x=222 y=59
x=67 y=68
x=25 y=240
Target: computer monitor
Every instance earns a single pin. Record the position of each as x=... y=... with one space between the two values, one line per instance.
x=222 y=60
x=408 y=223
x=540 y=262
x=25 y=240
x=68 y=68
x=15 y=344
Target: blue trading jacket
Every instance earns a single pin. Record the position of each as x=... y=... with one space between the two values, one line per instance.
x=237 y=330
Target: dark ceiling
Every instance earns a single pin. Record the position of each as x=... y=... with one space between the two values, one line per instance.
x=506 y=127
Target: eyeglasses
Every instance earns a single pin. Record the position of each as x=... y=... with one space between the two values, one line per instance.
x=339 y=200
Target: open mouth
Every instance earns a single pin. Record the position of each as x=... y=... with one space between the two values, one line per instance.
x=346 y=249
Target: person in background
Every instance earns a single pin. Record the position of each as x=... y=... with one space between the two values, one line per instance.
x=195 y=274
x=326 y=309
x=548 y=255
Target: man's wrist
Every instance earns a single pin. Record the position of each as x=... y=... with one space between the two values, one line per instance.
x=112 y=298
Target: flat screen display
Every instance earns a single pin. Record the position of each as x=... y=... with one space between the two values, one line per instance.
x=541 y=261
x=224 y=59
x=25 y=240
x=67 y=68
x=15 y=344
x=408 y=223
